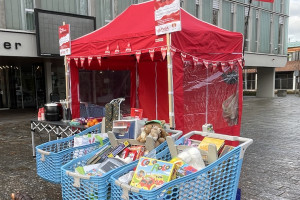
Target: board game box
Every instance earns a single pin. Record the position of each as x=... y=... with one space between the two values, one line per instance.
x=152 y=173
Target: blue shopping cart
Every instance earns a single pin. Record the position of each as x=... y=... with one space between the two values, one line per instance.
x=218 y=181
x=52 y=155
x=81 y=187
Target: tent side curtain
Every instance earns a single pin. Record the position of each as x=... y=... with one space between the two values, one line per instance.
x=207 y=77
x=152 y=89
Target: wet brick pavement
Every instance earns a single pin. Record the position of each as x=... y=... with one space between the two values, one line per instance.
x=271 y=167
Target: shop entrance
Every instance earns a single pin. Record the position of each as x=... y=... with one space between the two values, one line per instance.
x=4 y=90
x=22 y=87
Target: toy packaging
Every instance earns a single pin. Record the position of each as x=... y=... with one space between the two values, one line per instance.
x=207 y=140
x=183 y=168
x=100 y=155
x=110 y=164
x=118 y=149
x=151 y=173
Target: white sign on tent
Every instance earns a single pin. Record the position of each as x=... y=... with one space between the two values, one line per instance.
x=167 y=16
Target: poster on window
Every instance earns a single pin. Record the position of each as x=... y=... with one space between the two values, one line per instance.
x=167 y=16
x=64 y=40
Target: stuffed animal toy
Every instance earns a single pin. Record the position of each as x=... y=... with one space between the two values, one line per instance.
x=142 y=136
x=155 y=134
x=158 y=133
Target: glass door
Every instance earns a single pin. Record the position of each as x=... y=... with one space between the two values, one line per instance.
x=4 y=89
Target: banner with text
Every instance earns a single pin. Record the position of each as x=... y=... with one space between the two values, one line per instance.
x=167 y=16
x=64 y=40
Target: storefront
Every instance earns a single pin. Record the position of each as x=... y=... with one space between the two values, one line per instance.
x=25 y=78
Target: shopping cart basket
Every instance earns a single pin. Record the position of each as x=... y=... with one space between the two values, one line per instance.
x=218 y=181
x=52 y=155
x=81 y=187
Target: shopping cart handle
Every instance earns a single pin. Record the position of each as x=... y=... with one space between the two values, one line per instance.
x=175 y=133
x=77 y=178
x=43 y=153
x=126 y=189
x=246 y=142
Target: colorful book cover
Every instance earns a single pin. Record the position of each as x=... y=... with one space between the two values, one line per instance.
x=226 y=149
x=183 y=168
x=207 y=140
x=151 y=173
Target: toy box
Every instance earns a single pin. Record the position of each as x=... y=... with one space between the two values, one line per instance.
x=127 y=129
x=151 y=173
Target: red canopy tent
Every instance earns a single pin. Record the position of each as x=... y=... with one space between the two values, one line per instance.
x=207 y=68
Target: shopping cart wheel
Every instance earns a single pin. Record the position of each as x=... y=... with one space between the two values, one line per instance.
x=19 y=196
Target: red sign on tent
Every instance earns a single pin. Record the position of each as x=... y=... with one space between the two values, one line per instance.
x=64 y=40
x=167 y=16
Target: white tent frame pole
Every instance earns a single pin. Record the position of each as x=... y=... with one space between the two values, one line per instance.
x=67 y=78
x=170 y=83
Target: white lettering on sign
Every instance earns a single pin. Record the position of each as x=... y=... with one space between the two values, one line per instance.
x=64 y=39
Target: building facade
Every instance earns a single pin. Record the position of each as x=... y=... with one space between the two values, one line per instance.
x=27 y=80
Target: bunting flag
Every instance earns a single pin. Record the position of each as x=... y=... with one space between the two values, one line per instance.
x=151 y=52
x=76 y=61
x=183 y=57
x=173 y=51
x=197 y=61
x=68 y=61
x=206 y=63
x=90 y=58
x=138 y=55
x=82 y=61
x=164 y=52
x=240 y=61
x=128 y=49
x=99 y=60
x=223 y=66
x=117 y=51
x=231 y=64
x=107 y=51
x=215 y=65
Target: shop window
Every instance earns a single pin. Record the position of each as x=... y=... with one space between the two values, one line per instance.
x=232 y=16
x=284 y=80
x=246 y=28
x=216 y=7
x=29 y=23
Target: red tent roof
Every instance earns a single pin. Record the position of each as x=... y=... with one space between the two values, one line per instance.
x=136 y=26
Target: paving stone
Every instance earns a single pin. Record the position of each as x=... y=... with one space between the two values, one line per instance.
x=271 y=167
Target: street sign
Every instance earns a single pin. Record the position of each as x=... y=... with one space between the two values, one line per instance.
x=167 y=16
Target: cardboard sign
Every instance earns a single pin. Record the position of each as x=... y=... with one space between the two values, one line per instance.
x=64 y=40
x=167 y=16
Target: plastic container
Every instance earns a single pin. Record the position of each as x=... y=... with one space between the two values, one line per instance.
x=81 y=187
x=50 y=156
x=219 y=180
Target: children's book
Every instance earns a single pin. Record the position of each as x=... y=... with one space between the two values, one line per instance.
x=207 y=140
x=183 y=168
x=91 y=170
x=152 y=173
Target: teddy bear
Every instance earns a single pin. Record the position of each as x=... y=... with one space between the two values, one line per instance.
x=155 y=129
x=145 y=132
x=156 y=135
